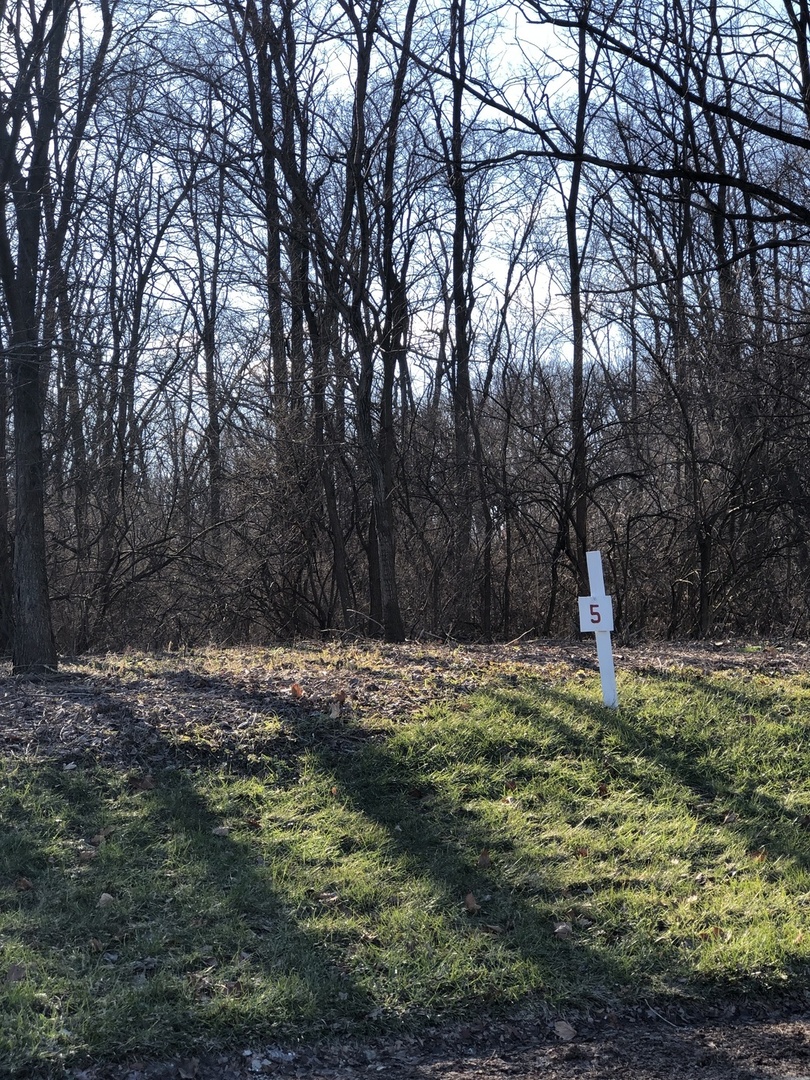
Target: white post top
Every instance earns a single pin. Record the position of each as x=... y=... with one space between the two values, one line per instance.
x=596 y=578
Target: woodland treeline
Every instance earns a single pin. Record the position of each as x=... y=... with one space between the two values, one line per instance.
x=321 y=316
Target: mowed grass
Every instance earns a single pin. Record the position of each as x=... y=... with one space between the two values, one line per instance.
x=522 y=847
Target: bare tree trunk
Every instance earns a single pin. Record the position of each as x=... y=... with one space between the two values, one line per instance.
x=462 y=397
x=579 y=449
x=6 y=539
x=262 y=32
x=24 y=171
x=34 y=647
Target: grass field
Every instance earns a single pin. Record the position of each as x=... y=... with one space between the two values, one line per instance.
x=513 y=845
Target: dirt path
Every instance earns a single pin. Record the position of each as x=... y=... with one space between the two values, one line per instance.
x=643 y=1048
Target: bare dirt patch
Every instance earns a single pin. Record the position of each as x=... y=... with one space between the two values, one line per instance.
x=641 y=1047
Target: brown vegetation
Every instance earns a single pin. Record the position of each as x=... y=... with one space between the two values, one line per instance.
x=286 y=354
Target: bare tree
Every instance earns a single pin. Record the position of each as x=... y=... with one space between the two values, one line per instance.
x=32 y=66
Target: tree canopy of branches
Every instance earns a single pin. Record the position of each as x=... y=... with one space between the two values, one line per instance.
x=372 y=318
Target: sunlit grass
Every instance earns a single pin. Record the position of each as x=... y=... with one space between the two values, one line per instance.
x=522 y=844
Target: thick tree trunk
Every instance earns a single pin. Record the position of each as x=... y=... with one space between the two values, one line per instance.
x=25 y=170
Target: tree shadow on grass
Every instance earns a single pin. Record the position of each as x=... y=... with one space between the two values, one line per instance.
x=429 y=840
x=513 y=930
x=155 y=927
x=717 y=792
x=188 y=948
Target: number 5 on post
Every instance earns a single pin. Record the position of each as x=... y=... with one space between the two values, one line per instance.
x=595 y=613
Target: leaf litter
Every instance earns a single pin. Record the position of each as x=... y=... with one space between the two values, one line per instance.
x=637 y=1043
x=144 y=713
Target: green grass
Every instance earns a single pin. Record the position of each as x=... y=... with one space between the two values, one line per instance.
x=670 y=840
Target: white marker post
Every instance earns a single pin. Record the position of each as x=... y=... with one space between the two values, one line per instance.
x=596 y=617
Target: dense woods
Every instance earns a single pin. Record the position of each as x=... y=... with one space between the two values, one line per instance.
x=333 y=317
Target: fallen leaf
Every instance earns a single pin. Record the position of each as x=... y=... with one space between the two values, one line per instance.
x=471 y=904
x=334 y=791
x=96 y=944
x=511 y=785
x=188 y=1069
x=582 y=852
x=140 y=783
x=341 y=696
x=730 y=818
x=602 y=790
x=297 y=690
x=564 y=1031
x=563 y=930
x=748 y=718
x=334 y=710
x=100 y=837
x=16 y=973
x=200 y=982
x=70 y=766
x=105 y=900
x=799 y=938
x=492 y=928
x=23 y=884
x=484 y=859
x=87 y=855
x=221 y=830
x=759 y=856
